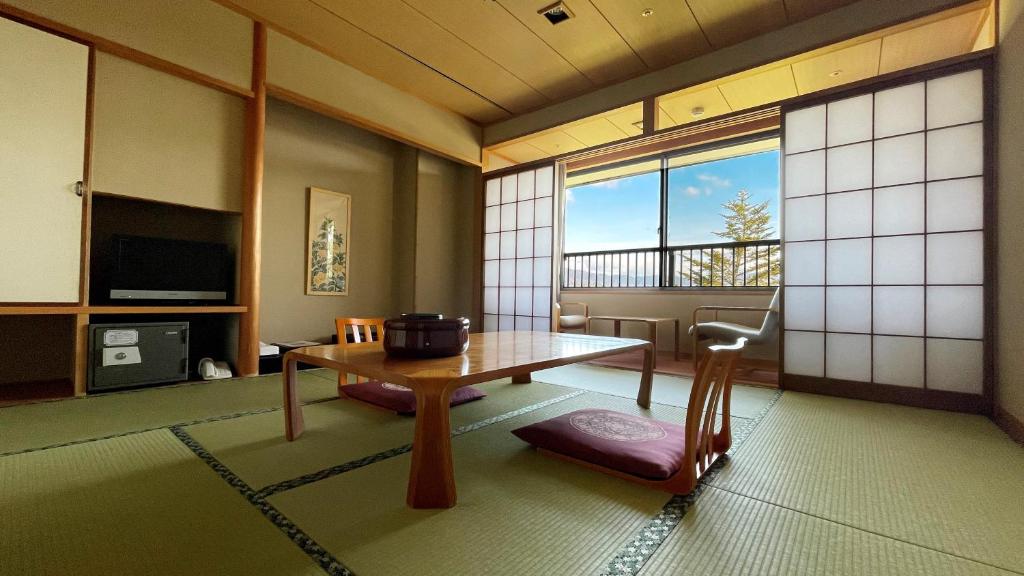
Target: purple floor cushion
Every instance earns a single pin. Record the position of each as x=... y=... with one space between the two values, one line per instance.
x=399 y=398
x=632 y=444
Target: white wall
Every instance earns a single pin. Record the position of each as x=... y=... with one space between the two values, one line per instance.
x=1010 y=210
x=444 y=237
x=160 y=137
x=305 y=149
x=197 y=34
x=368 y=102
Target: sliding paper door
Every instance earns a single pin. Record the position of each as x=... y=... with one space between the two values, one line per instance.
x=43 y=94
x=884 y=242
x=518 y=250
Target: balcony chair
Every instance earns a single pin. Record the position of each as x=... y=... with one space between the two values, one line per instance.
x=657 y=454
x=379 y=394
x=572 y=321
x=728 y=331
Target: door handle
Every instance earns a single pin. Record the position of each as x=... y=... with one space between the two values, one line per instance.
x=79 y=188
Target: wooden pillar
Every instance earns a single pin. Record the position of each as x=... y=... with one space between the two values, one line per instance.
x=252 y=209
x=81 y=368
x=650 y=115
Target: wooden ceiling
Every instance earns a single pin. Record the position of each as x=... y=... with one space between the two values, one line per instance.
x=929 y=39
x=492 y=59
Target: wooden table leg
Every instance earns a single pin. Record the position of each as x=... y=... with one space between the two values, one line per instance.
x=522 y=378
x=652 y=336
x=676 y=322
x=432 y=476
x=293 y=424
x=618 y=328
x=643 y=397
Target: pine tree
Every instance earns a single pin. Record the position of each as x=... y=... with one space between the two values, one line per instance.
x=745 y=221
x=751 y=266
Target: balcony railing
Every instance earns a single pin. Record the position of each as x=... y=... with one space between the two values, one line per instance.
x=753 y=264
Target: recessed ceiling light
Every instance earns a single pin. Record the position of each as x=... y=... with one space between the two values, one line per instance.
x=835 y=73
x=647 y=12
x=697 y=111
x=556 y=13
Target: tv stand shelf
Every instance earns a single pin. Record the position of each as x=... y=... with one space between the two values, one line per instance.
x=28 y=310
x=165 y=309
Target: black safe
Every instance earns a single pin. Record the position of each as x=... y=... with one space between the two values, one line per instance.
x=128 y=355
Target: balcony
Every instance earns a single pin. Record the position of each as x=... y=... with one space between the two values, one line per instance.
x=725 y=265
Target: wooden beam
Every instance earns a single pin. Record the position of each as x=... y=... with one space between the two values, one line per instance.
x=715 y=129
x=252 y=209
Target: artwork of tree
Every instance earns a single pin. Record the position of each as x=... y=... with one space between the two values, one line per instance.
x=327 y=273
x=749 y=266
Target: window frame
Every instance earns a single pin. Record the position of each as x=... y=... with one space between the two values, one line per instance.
x=663 y=248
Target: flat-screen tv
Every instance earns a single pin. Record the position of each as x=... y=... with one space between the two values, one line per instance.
x=163 y=269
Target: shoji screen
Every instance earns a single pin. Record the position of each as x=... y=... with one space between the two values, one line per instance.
x=518 y=247
x=885 y=242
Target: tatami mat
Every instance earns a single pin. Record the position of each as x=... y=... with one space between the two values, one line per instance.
x=339 y=431
x=747 y=401
x=140 y=504
x=730 y=535
x=950 y=482
x=518 y=512
x=822 y=486
x=32 y=426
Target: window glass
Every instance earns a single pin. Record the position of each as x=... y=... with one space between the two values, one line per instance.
x=613 y=214
x=730 y=200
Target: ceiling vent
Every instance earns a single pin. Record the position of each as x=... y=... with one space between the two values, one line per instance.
x=556 y=13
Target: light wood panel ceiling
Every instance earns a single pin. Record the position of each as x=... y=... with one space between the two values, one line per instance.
x=929 y=39
x=491 y=59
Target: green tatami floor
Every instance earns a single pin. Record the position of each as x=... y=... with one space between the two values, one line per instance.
x=198 y=479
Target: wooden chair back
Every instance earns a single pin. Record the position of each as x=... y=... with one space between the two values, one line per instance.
x=712 y=388
x=362 y=330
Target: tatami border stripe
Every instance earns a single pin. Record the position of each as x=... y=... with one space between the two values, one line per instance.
x=152 y=388
x=304 y=541
x=399 y=450
x=632 y=557
x=163 y=427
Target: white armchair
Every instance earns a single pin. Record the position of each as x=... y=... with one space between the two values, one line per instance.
x=572 y=321
x=729 y=331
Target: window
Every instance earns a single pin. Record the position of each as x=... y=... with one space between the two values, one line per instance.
x=614 y=212
x=706 y=218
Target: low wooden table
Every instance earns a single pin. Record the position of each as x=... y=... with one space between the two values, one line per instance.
x=491 y=356
x=652 y=329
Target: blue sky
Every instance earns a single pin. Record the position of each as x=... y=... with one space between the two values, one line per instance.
x=623 y=213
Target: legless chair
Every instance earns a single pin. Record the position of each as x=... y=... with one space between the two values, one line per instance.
x=728 y=331
x=657 y=454
x=362 y=330
x=572 y=321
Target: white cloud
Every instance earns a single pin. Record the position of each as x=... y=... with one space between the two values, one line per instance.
x=716 y=181
x=569 y=198
x=692 y=191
